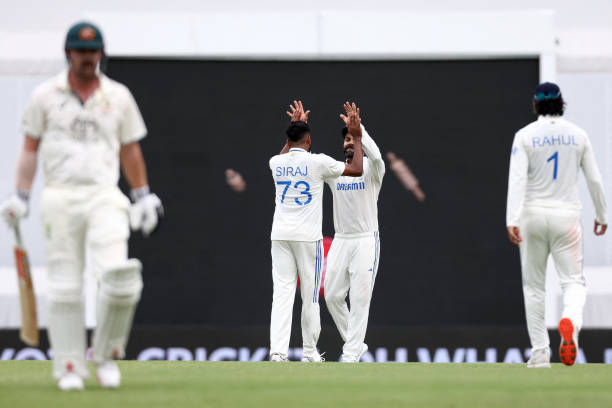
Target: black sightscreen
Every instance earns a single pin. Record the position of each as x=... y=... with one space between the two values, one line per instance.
x=445 y=261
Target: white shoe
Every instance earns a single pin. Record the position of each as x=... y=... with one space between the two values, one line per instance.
x=313 y=358
x=70 y=382
x=278 y=357
x=108 y=374
x=539 y=359
x=354 y=359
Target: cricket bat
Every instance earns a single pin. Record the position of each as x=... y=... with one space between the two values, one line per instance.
x=29 y=323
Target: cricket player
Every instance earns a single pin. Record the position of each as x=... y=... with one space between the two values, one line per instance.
x=352 y=261
x=84 y=125
x=543 y=217
x=297 y=248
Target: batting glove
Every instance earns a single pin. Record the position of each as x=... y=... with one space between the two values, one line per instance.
x=14 y=209
x=146 y=211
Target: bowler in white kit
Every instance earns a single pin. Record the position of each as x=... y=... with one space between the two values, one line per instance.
x=297 y=247
x=352 y=261
x=84 y=125
x=543 y=217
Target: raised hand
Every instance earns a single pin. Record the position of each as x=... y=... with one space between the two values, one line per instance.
x=348 y=109
x=297 y=113
x=352 y=119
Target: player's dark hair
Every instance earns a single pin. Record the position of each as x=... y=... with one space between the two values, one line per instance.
x=297 y=131
x=344 y=132
x=552 y=107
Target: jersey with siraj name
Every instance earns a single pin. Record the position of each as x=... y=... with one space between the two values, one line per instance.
x=299 y=178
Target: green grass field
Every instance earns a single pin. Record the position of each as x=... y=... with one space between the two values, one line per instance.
x=233 y=384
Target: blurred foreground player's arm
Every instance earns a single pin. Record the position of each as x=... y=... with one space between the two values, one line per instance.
x=593 y=179
x=517 y=181
x=16 y=206
x=147 y=207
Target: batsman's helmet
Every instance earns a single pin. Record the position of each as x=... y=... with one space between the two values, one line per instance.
x=84 y=36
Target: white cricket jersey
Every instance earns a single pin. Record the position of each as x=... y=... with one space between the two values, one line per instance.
x=299 y=178
x=546 y=158
x=79 y=143
x=356 y=198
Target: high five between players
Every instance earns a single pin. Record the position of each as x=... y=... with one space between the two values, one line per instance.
x=297 y=248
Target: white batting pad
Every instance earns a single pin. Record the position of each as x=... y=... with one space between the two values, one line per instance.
x=118 y=295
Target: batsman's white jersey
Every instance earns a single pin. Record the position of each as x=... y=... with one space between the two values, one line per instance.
x=543 y=202
x=79 y=143
x=297 y=247
x=352 y=261
x=84 y=211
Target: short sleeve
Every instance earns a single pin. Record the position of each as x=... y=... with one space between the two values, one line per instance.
x=330 y=168
x=33 y=122
x=270 y=163
x=132 y=127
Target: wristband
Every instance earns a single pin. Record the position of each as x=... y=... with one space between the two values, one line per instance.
x=140 y=192
x=24 y=195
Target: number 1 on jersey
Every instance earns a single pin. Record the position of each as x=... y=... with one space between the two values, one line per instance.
x=554 y=157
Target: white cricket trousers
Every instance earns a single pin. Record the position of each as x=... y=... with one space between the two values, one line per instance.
x=290 y=259
x=556 y=232
x=79 y=220
x=352 y=264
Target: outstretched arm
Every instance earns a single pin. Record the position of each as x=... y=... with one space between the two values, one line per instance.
x=369 y=146
x=297 y=114
x=353 y=123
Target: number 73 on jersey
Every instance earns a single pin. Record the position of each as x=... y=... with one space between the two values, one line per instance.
x=302 y=187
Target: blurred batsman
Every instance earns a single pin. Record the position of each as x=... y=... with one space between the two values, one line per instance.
x=85 y=125
x=543 y=217
x=297 y=247
x=352 y=262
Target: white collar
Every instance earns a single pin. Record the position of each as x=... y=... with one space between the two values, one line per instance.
x=297 y=149
x=62 y=81
x=550 y=117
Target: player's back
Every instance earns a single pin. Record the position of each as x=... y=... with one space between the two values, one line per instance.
x=554 y=148
x=299 y=180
